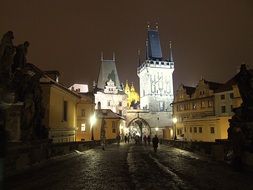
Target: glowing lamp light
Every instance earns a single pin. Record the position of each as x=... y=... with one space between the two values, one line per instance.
x=156 y=128
x=174 y=120
x=92 y=120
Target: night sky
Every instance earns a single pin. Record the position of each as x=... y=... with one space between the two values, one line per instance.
x=210 y=38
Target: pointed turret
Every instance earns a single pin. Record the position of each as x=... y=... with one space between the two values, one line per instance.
x=171 y=56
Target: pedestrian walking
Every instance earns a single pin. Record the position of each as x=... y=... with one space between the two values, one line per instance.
x=155 y=141
x=149 y=139
x=118 y=138
x=126 y=138
x=145 y=140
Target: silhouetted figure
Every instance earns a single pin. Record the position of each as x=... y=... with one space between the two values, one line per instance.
x=145 y=139
x=155 y=141
x=20 y=56
x=126 y=138
x=118 y=139
x=149 y=139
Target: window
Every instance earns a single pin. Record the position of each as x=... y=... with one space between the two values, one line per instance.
x=194 y=106
x=185 y=129
x=83 y=127
x=195 y=129
x=120 y=112
x=65 y=110
x=223 y=109
x=231 y=107
x=222 y=97
x=99 y=105
x=190 y=129
x=108 y=103
x=113 y=127
x=202 y=104
x=212 y=130
x=161 y=105
x=231 y=95
x=83 y=112
x=200 y=129
x=210 y=103
x=120 y=103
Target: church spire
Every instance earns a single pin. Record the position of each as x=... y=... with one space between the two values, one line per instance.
x=102 y=56
x=147 y=49
x=113 y=56
x=139 y=57
x=170 y=56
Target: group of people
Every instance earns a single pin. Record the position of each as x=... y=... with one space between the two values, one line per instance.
x=137 y=139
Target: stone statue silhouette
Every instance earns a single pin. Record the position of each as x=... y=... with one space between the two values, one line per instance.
x=20 y=56
x=7 y=51
x=245 y=85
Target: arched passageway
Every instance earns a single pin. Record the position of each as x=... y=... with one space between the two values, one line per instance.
x=139 y=126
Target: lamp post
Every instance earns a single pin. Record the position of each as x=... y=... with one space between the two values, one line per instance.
x=92 y=122
x=175 y=131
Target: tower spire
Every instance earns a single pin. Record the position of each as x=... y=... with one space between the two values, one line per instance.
x=102 y=56
x=139 y=57
x=147 y=49
x=113 y=56
x=170 y=56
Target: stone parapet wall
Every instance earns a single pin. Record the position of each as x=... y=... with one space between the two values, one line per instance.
x=215 y=150
x=20 y=156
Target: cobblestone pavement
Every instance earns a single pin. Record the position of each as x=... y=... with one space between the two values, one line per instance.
x=132 y=167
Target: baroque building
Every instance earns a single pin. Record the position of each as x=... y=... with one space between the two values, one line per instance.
x=202 y=112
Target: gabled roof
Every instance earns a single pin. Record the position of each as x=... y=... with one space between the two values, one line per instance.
x=189 y=90
x=228 y=85
x=107 y=114
x=45 y=79
x=213 y=85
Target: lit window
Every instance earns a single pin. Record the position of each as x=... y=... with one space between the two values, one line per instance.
x=83 y=127
x=194 y=106
x=202 y=104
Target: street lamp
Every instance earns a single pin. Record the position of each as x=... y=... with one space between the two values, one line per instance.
x=174 y=122
x=92 y=122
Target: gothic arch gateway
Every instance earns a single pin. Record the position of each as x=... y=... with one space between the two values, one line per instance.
x=139 y=126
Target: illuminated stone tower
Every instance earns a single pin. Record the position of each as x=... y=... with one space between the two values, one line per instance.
x=155 y=76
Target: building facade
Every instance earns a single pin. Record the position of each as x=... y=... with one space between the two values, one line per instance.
x=156 y=89
x=202 y=112
x=108 y=91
